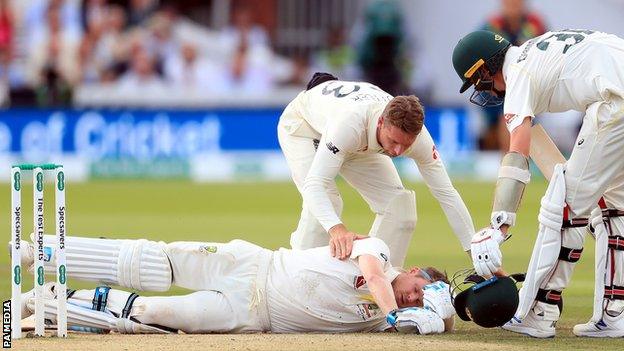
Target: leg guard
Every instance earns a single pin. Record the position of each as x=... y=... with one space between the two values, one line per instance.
x=614 y=277
x=310 y=233
x=100 y=310
x=608 y=314
x=137 y=264
x=395 y=225
x=558 y=247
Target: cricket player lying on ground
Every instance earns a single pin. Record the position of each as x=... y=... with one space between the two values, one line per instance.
x=563 y=70
x=241 y=288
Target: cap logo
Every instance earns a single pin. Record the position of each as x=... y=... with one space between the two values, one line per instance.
x=498 y=38
x=474 y=68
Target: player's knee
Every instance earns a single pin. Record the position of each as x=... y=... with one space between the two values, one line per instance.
x=144 y=265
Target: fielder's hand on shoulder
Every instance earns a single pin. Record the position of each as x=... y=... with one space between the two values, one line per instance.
x=485 y=250
x=437 y=297
x=341 y=241
x=415 y=320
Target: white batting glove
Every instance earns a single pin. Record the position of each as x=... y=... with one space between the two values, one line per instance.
x=437 y=297
x=415 y=320
x=485 y=251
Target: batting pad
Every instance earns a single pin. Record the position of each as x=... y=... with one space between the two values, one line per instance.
x=137 y=264
x=548 y=243
x=82 y=316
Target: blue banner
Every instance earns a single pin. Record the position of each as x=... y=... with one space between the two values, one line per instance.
x=36 y=135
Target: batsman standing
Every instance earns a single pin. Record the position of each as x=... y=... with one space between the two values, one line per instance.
x=579 y=70
x=354 y=129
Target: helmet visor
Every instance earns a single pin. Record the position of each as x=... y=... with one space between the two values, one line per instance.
x=485 y=98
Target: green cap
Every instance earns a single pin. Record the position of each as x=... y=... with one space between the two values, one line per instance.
x=473 y=51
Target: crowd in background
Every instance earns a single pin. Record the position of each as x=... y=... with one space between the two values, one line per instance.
x=140 y=47
x=52 y=46
x=48 y=48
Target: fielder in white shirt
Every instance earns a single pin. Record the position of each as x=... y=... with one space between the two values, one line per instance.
x=241 y=288
x=354 y=129
x=579 y=70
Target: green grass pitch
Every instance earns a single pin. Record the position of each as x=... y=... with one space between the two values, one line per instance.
x=266 y=213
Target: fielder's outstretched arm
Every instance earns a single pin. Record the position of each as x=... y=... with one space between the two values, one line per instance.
x=434 y=174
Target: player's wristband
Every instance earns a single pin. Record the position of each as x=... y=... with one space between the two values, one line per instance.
x=391 y=318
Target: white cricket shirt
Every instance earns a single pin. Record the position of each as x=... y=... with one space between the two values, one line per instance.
x=560 y=71
x=310 y=290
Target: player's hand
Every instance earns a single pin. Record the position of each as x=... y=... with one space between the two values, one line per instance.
x=437 y=297
x=486 y=255
x=415 y=320
x=341 y=241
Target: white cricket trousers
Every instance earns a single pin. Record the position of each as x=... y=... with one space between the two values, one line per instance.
x=374 y=176
x=596 y=166
x=230 y=279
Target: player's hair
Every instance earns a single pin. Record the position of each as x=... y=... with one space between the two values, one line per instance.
x=405 y=113
x=436 y=274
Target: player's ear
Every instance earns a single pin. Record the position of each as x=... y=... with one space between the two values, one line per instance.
x=414 y=270
x=380 y=121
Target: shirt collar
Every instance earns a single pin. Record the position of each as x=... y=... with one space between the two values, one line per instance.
x=373 y=144
x=510 y=57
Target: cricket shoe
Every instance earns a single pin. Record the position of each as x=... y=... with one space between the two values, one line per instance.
x=609 y=326
x=28 y=298
x=539 y=322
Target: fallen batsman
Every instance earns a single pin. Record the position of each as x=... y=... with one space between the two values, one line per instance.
x=240 y=287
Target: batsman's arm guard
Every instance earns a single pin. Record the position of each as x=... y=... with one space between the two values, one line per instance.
x=513 y=175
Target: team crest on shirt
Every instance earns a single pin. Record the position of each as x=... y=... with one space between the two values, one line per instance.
x=358 y=282
x=207 y=249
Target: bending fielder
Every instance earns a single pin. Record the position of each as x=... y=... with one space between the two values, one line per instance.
x=241 y=288
x=558 y=71
x=354 y=129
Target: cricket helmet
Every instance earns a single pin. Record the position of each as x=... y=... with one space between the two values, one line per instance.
x=477 y=49
x=487 y=302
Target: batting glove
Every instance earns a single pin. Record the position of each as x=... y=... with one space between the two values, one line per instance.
x=437 y=297
x=415 y=320
x=485 y=251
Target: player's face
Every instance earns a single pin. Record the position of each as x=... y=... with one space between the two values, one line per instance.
x=393 y=140
x=408 y=289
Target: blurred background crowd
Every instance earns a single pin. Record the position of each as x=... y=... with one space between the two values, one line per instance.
x=50 y=47
x=255 y=54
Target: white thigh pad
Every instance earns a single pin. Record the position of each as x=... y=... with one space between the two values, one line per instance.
x=396 y=224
